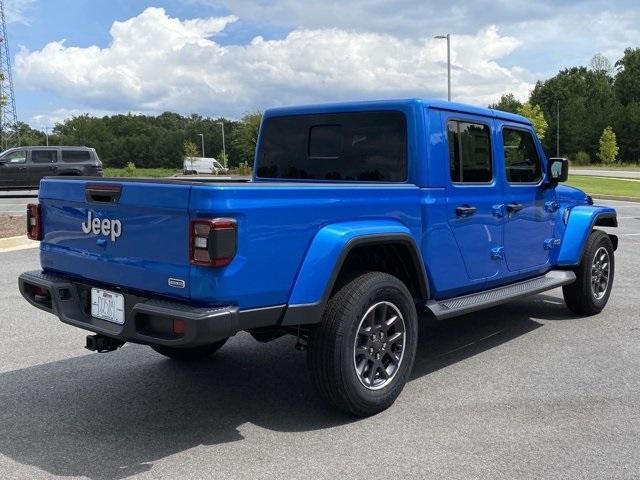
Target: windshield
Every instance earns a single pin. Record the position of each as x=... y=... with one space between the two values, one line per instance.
x=355 y=146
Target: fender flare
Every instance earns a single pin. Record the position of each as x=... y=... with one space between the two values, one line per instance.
x=326 y=256
x=581 y=221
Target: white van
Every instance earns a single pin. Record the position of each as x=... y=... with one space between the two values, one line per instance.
x=203 y=165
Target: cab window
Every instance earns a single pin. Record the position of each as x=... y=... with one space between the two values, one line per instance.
x=521 y=159
x=15 y=157
x=469 y=152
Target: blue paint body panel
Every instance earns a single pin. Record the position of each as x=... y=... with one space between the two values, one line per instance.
x=325 y=251
x=292 y=233
x=581 y=221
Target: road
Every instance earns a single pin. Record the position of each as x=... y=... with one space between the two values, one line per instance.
x=525 y=390
x=620 y=173
x=15 y=202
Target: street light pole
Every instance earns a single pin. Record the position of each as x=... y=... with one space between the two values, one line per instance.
x=448 y=38
x=224 y=148
x=202 y=142
x=46 y=136
x=558 y=129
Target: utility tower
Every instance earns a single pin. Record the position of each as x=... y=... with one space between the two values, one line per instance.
x=9 y=135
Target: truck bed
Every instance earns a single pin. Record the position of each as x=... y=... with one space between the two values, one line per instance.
x=276 y=222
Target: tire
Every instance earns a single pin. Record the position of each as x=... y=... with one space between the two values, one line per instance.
x=342 y=377
x=189 y=354
x=581 y=298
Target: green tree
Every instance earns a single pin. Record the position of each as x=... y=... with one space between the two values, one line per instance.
x=245 y=136
x=534 y=113
x=223 y=158
x=30 y=136
x=600 y=63
x=130 y=169
x=627 y=126
x=608 y=152
x=627 y=81
x=627 y=89
x=190 y=149
x=507 y=103
x=587 y=104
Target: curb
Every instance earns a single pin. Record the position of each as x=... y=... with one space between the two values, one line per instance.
x=21 y=242
x=615 y=197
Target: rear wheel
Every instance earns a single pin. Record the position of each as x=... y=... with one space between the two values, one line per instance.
x=361 y=355
x=190 y=354
x=589 y=294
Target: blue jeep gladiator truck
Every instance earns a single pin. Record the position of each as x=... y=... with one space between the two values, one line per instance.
x=359 y=220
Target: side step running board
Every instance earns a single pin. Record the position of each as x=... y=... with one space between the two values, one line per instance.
x=476 y=301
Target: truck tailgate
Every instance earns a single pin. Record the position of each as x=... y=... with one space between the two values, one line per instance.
x=148 y=247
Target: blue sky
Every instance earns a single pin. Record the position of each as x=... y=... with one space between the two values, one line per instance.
x=228 y=57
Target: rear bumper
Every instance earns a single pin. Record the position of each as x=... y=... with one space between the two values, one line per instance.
x=147 y=320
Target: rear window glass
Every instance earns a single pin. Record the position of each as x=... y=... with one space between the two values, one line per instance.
x=76 y=155
x=43 y=156
x=358 y=146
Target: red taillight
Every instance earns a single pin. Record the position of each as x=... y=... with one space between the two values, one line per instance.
x=34 y=223
x=179 y=327
x=212 y=242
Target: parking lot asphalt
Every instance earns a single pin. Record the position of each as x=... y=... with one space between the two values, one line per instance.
x=10 y=205
x=525 y=390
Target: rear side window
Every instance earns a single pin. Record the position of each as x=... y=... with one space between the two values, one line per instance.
x=357 y=146
x=76 y=155
x=521 y=159
x=43 y=156
x=469 y=152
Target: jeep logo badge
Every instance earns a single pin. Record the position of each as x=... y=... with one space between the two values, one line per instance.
x=107 y=227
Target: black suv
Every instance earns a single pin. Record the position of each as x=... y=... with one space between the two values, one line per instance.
x=24 y=167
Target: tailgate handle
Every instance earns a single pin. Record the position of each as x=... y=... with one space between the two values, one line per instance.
x=101 y=193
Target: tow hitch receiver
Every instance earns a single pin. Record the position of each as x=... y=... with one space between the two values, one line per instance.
x=102 y=344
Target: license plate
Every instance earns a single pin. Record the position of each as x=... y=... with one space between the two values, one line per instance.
x=107 y=305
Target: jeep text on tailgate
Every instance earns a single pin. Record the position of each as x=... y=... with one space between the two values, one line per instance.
x=360 y=219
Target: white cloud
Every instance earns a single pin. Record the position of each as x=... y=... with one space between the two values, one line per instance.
x=45 y=121
x=15 y=11
x=157 y=63
x=555 y=34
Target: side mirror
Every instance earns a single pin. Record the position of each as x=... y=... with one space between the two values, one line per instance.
x=558 y=170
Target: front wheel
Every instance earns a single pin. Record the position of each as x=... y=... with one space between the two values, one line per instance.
x=589 y=294
x=361 y=354
x=191 y=354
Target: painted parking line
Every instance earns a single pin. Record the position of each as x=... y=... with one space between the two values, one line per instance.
x=21 y=242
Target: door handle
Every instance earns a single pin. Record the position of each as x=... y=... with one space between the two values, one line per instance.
x=465 y=211
x=514 y=207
